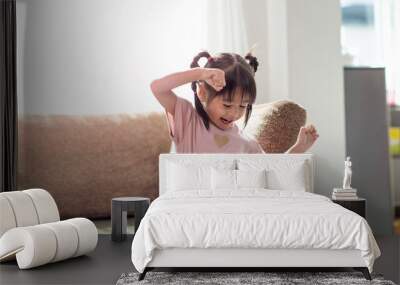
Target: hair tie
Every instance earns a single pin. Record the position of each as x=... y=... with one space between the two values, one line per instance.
x=210 y=59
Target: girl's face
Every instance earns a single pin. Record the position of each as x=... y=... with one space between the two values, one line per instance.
x=223 y=113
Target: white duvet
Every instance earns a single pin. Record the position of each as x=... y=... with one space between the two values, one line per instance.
x=252 y=218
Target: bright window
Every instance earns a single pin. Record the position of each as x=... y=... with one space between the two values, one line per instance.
x=370 y=36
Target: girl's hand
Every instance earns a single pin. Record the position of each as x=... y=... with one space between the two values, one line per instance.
x=215 y=77
x=305 y=139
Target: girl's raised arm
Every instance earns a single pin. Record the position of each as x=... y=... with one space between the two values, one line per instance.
x=162 y=88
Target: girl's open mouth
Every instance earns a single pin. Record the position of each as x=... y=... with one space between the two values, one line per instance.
x=226 y=122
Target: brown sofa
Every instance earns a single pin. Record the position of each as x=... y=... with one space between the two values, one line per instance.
x=84 y=161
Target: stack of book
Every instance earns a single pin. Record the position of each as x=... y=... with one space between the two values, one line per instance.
x=344 y=194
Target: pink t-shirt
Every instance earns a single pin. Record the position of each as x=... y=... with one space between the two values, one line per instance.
x=187 y=130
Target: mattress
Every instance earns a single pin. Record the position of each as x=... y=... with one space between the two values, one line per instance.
x=252 y=219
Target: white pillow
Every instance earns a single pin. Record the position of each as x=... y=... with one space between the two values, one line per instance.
x=291 y=178
x=223 y=179
x=188 y=177
x=251 y=178
x=227 y=179
x=281 y=174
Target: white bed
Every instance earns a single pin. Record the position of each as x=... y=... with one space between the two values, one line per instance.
x=210 y=214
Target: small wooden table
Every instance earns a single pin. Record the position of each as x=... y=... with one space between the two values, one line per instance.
x=119 y=213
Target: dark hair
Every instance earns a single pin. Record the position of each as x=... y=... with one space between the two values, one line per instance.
x=239 y=74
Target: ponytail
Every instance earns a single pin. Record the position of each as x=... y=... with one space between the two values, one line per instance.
x=197 y=103
x=195 y=62
x=252 y=60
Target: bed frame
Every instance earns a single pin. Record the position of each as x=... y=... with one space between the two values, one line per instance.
x=246 y=258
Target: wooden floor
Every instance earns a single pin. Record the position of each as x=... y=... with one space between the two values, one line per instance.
x=111 y=259
x=103 y=266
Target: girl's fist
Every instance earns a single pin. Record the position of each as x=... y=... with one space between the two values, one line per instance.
x=306 y=137
x=214 y=77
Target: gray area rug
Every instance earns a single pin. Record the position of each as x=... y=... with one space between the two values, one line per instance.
x=226 y=278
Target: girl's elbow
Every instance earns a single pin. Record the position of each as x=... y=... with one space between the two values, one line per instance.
x=154 y=85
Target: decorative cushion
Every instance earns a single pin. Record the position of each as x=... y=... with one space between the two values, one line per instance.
x=275 y=125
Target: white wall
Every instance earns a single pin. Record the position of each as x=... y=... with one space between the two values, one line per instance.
x=99 y=56
x=256 y=27
x=304 y=41
x=96 y=56
x=278 y=50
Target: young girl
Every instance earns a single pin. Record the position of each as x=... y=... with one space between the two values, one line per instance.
x=224 y=90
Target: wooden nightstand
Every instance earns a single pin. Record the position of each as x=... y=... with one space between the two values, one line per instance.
x=357 y=206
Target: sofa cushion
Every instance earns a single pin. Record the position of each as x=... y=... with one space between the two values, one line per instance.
x=84 y=161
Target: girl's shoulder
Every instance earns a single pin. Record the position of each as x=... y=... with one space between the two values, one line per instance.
x=185 y=111
x=184 y=103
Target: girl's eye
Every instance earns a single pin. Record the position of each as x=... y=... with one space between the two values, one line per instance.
x=242 y=107
x=227 y=106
